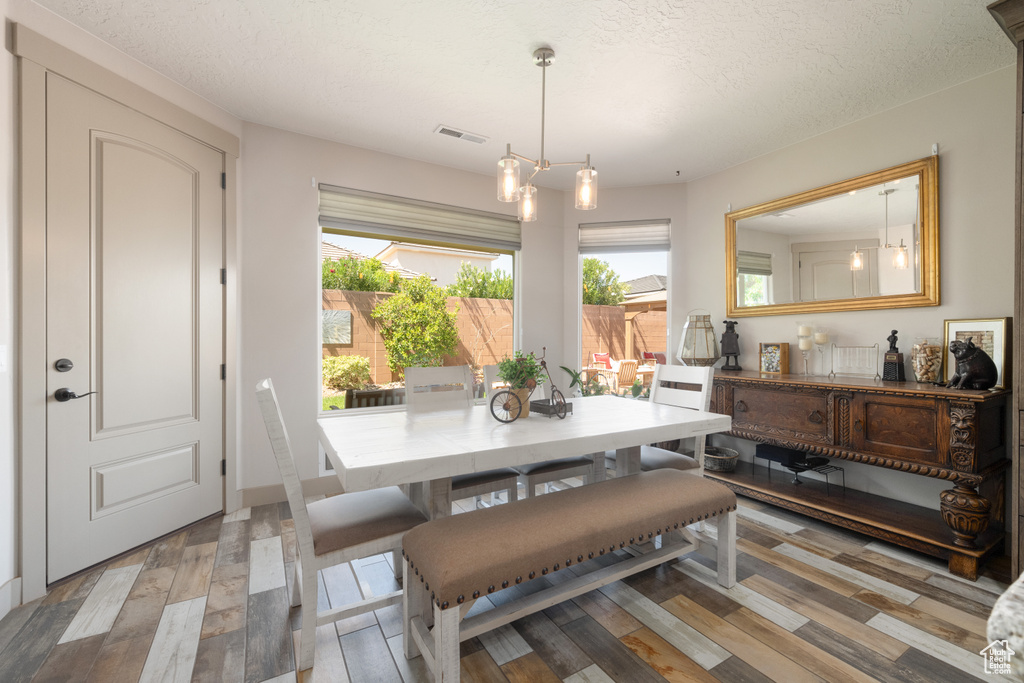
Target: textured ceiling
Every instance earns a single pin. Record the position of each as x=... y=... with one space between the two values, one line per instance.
x=646 y=87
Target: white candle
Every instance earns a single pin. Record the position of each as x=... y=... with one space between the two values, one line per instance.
x=804 y=331
x=805 y=343
x=821 y=337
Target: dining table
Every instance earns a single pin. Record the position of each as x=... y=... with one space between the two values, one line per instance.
x=422 y=451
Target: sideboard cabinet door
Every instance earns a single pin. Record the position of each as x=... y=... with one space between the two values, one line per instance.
x=900 y=427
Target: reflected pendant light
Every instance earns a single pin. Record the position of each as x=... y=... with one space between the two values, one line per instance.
x=900 y=256
x=856 y=259
x=509 y=188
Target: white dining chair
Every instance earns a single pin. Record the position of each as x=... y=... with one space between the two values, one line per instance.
x=333 y=531
x=686 y=387
x=590 y=468
x=451 y=388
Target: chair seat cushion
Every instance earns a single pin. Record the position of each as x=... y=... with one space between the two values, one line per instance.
x=652 y=458
x=351 y=519
x=548 y=466
x=480 y=478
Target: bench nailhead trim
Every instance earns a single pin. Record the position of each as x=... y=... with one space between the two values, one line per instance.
x=490 y=589
x=444 y=605
x=461 y=599
x=476 y=594
x=504 y=584
x=544 y=571
x=590 y=556
x=568 y=561
x=533 y=574
x=579 y=558
x=555 y=568
x=519 y=579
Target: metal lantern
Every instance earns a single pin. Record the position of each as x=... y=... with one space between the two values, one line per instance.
x=699 y=345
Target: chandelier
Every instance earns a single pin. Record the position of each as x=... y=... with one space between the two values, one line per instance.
x=509 y=189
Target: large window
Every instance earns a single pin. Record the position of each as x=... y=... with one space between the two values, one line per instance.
x=409 y=283
x=624 y=290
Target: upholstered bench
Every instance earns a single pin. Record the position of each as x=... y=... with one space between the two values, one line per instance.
x=451 y=562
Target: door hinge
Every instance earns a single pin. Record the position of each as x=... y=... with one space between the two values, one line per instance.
x=223 y=181
x=223 y=468
x=223 y=371
x=223 y=276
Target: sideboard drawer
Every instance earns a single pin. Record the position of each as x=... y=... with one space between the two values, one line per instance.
x=789 y=412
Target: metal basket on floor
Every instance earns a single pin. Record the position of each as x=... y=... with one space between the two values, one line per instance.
x=719 y=459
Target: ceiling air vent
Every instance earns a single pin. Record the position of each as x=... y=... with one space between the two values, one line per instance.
x=460 y=134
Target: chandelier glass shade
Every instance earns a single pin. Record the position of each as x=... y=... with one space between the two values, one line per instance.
x=510 y=189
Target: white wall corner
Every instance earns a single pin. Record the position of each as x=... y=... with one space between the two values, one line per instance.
x=10 y=596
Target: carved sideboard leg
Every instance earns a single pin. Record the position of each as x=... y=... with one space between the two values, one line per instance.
x=965 y=512
x=965 y=566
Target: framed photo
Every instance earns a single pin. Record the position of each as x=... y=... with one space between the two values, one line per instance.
x=990 y=334
x=775 y=358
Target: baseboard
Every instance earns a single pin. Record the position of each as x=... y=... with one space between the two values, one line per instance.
x=10 y=596
x=263 y=495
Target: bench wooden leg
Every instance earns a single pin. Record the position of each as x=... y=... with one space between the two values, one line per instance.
x=727 y=549
x=446 y=645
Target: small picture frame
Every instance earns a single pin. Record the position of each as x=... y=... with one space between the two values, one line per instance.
x=990 y=334
x=775 y=358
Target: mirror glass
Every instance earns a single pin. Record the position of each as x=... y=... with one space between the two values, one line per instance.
x=868 y=242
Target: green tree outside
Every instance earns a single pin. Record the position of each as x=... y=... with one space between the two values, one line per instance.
x=358 y=275
x=415 y=325
x=477 y=283
x=601 y=284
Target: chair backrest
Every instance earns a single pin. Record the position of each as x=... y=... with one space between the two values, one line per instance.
x=490 y=379
x=271 y=410
x=696 y=394
x=603 y=360
x=657 y=357
x=627 y=373
x=430 y=389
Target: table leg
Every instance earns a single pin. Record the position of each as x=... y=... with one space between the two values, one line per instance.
x=627 y=461
x=433 y=498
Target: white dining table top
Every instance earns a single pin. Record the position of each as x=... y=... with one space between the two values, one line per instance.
x=373 y=450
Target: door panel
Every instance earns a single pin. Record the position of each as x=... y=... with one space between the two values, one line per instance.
x=134 y=300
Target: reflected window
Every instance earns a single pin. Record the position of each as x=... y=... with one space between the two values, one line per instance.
x=754 y=290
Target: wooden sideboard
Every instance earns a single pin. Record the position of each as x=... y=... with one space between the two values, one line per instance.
x=927 y=430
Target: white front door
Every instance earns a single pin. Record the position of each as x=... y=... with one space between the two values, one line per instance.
x=135 y=231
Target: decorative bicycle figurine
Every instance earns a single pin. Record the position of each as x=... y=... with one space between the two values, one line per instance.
x=507 y=407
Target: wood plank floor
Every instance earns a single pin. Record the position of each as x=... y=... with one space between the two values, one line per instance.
x=813 y=603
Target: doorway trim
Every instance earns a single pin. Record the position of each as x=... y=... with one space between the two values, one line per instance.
x=37 y=56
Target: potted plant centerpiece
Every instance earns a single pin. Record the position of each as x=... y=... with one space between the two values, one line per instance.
x=522 y=373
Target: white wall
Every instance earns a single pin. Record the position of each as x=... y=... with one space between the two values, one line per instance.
x=281 y=278
x=974 y=125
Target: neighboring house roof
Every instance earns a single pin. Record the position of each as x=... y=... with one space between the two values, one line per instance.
x=389 y=251
x=336 y=253
x=646 y=284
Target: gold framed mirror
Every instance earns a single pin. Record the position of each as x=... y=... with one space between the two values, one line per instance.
x=864 y=243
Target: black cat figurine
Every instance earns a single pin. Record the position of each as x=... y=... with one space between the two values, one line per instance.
x=974 y=367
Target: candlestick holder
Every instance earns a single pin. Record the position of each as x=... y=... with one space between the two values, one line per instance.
x=804 y=342
x=821 y=339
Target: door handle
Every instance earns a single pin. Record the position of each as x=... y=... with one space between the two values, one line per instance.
x=64 y=394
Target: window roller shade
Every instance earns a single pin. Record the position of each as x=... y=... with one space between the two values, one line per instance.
x=753 y=263
x=374 y=214
x=623 y=237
